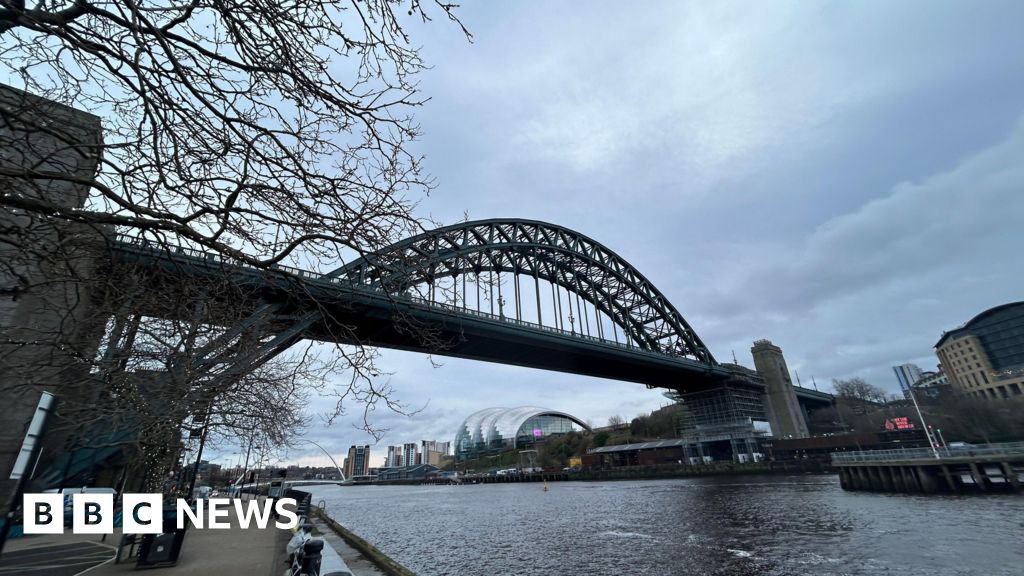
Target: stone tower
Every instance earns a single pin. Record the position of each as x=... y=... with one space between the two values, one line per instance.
x=48 y=320
x=784 y=413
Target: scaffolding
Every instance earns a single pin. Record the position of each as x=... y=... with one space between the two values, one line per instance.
x=729 y=405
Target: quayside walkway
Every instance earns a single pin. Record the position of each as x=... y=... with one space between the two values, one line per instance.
x=228 y=552
x=985 y=468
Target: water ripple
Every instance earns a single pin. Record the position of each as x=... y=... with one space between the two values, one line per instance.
x=754 y=526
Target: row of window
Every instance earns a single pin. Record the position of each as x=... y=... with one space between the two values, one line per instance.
x=973 y=378
x=967 y=367
x=1013 y=389
x=1002 y=336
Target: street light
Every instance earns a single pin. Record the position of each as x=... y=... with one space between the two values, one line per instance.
x=501 y=306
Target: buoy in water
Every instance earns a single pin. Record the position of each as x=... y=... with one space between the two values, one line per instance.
x=545 y=485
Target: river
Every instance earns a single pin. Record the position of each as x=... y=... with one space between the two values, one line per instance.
x=727 y=526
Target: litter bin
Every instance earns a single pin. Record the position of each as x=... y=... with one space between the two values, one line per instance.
x=162 y=549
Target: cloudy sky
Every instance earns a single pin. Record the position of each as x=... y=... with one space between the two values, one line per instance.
x=845 y=179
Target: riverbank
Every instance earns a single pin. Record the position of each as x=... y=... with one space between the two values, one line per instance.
x=668 y=471
x=648 y=472
x=365 y=559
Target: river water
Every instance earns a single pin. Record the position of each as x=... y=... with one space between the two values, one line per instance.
x=735 y=526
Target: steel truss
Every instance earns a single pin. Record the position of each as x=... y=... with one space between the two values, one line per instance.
x=595 y=279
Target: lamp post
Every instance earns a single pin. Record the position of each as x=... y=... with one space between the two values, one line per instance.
x=501 y=306
x=572 y=327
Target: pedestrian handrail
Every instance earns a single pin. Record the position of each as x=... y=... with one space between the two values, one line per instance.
x=905 y=454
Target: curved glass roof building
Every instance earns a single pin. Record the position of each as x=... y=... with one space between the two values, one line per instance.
x=499 y=429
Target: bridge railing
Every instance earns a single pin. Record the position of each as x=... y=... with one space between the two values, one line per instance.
x=214 y=258
x=512 y=320
x=534 y=325
x=872 y=456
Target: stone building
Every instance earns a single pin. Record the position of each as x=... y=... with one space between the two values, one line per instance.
x=984 y=358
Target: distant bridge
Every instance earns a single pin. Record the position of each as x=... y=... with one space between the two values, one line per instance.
x=517 y=292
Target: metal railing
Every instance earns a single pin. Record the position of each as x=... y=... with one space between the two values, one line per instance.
x=534 y=325
x=926 y=454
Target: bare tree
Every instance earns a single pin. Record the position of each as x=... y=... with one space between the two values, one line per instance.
x=249 y=128
x=616 y=420
x=859 y=389
x=175 y=370
x=262 y=132
x=978 y=419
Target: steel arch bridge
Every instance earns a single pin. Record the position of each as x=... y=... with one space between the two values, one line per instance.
x=564 y=259
x=511 y=291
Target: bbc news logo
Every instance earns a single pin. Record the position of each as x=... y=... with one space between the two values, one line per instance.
x=143 y=513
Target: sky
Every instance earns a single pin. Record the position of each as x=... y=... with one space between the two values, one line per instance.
x=845 y=179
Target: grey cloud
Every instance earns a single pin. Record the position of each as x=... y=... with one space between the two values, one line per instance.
x=842 y=178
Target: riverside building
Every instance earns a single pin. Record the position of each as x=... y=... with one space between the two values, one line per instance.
x=984 y=358
x=358 y=461
x=499 y=429
x=433 y=452
x=409 y=455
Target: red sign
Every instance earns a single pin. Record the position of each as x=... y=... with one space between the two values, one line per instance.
x=903 y=423
x=900 y=423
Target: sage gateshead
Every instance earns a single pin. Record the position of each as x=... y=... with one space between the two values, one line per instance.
x=498 y=429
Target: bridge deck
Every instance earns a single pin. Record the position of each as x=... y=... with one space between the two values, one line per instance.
x=347 y=313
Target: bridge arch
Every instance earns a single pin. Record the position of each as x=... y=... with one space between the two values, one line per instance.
x=589 y=272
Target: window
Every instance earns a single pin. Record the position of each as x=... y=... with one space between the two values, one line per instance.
x=984 y=377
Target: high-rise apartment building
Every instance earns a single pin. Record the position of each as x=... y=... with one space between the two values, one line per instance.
x=907 y=375
x=410 y=456
x=394 y=457
x=432 y=451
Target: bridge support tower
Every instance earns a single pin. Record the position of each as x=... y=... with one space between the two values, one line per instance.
x=48 y=320
x=784 y=413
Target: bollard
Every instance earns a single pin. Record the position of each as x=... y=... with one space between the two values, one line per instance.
x=311 y=557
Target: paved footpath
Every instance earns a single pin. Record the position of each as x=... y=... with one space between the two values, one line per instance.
x=230 y=552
